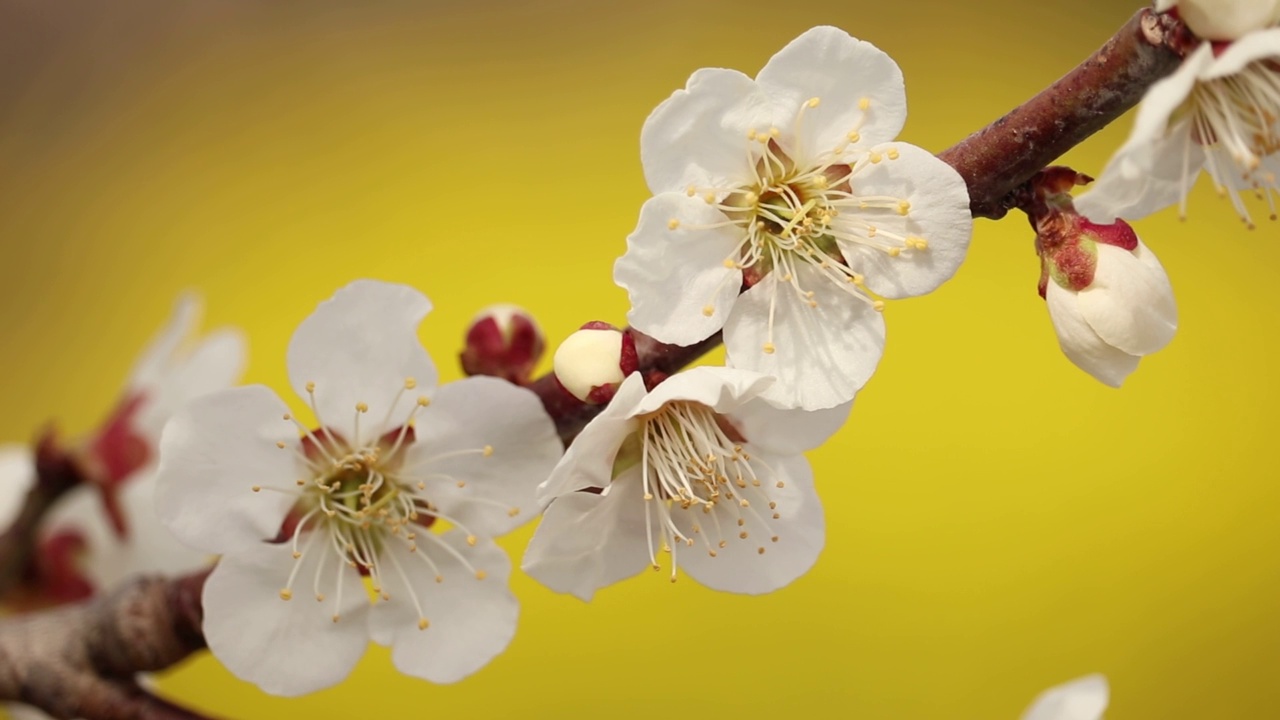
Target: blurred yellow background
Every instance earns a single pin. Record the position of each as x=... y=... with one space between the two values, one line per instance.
x=999 y=522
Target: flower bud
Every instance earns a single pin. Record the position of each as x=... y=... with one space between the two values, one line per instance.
x=505 y=342
x=1109 y=298
x=1110 y=303
x=1224 y=19
x=592 y=362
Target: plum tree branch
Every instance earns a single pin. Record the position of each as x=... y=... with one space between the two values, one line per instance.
x=80 y=660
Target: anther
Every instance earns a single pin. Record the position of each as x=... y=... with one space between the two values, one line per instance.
x=893 y=153
x=424 y=401
x=708 y=311
x=878 y=306
x=410 y=383
x=864 y=103
x=760 y=550
x=769 y=348
x=280 y=444
x=488 y=451
x=286 y=594
x=257 y=488
x=813 y=102
x=311 y=387
x=673 y=223
x=854 y=136
x=480 y=575
x=423 y=624
x=471 y=540
x=513 y=512
x=362 y=407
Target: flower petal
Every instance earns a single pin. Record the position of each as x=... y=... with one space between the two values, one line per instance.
x=587 y=541
x=673 y=276
x=17 y=476
x=155 y=359
x=1081 y=344
x=588 y=463
x=841 y=71
x=1249 y=49
x=148 y=546
x=212 y=453
x=494 y=437
x=1130 y=303
x=938 y=212
x=470 y=620
x=698 y=136
x=1157 y=164
x=361 y=346
x=740 y=566
x=216 y=363
x=1082 y=699
x=1228 y=19
x=722 y=389
x=822 y=355
x=285 y=647
x=787 y=432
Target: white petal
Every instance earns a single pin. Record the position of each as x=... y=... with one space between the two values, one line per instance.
x=587 y=541
x=720 y=388
x=826 y=63
x=672 y=276
x=288 y=647
x=469 y=620
x=1227 y=19
x=1083 y=699
x=822 y=355
x=1130 y=302
x=216 y=363
x=787 y=432
x=147 y=548
x=360 y=346
x=1249 y=49
x=698 y=136
x=156 y=358
x=1144 y=177
x=1081 y=344
x=17 y=476
x=588 y=463
x=466 y=417
x=740 y=567
x=212 y=453
x=938 y=212
x=1158 y=163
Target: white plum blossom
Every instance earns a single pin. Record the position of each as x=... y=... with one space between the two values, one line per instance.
x=1224 y=19
x=111 y=523
x=1084 y=698
x=783 y=212
x=700 y=467
x=302 y=512
x=1220 y=111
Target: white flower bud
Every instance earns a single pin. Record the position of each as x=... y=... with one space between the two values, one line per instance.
x=588 y=360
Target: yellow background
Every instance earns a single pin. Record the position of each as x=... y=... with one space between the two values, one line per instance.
x=999 y=522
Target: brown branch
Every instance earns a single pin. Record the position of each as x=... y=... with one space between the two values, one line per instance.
x=57 y=472
x=79 y=661
x=1005 y=154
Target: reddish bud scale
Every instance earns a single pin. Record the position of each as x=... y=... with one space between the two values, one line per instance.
x=509 y=352
x=1067 y=242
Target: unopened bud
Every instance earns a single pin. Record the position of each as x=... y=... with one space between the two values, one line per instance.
x=1108 y=297
x=592 y=362
x=503 y=341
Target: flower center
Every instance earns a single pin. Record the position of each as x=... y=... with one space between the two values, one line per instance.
x=799 y=207
x=356 y=498
x=1235 y=119
x=701 y=484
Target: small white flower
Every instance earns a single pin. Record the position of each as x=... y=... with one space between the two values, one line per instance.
x=1224 y=19
x=788 y=187
x=299 y=514
x=1106 y=324
x=113 y=521
x=701 y=467
x=1218 y=113
x=1085 y=698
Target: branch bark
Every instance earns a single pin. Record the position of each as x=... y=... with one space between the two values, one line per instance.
x=80 y=661
x=1005 y=154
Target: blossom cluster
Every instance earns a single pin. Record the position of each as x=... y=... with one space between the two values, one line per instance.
x=784 y=215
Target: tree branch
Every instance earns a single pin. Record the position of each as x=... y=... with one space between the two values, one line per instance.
x=79 y=661
x=1005 y=154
